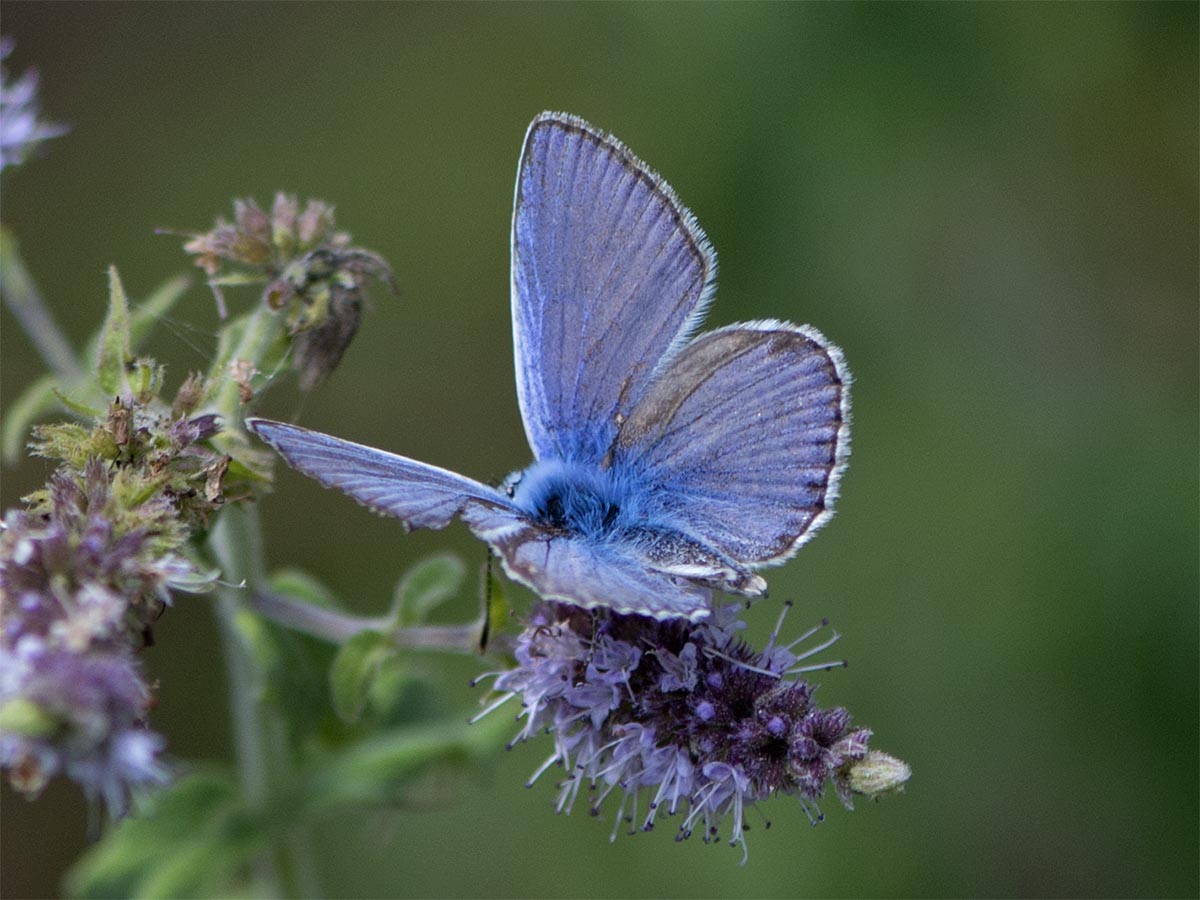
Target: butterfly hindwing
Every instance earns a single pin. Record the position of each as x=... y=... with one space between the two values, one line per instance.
x=609 y=271
x=746 y=433
x=589 y=574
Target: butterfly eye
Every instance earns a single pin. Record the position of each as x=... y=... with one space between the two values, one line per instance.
x=510 y=483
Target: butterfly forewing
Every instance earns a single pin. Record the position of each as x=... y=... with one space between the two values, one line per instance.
x=609 y=270
x=420 y=495
x=745 y=433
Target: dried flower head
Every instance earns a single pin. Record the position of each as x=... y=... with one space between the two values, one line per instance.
x=312 y=274
x=21 y=132
x=685 y=716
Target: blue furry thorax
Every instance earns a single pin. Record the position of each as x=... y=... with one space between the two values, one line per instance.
x=581 y=498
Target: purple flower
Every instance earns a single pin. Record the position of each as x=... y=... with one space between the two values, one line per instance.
x=678 y=718
x=21 y=131
x=85 y=717
x=80 y=586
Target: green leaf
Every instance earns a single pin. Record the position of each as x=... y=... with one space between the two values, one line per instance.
x=114 y=348
x=302 y=586
x=353 y=671
x=401 y=694
x=37 y=400
x=21 y=296
x=202 y=868
x=377 y=770
x=78 y=407
x=290 y=673
x=184 y=843
x=424 y=586
x=200 y=838
x=145 y=315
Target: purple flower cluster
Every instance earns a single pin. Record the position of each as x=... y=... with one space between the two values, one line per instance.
x=21 y=127
x=80 y=586
x=685 y=716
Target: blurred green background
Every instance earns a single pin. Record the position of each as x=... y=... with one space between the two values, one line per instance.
x=991 y=208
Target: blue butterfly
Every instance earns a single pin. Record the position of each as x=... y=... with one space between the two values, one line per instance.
x=666 y=465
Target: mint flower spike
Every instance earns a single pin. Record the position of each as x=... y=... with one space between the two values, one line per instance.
x=687 y=717
x=91 y=562
x=80 y=590
x=21 y=131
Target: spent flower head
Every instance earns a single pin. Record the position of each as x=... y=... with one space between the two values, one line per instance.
x=312 y=274
x=681 y=718
x=21 y=129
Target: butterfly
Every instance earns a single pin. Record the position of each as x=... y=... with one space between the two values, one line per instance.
x=667 y=464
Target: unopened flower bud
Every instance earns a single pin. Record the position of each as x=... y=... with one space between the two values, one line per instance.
x=877 y=774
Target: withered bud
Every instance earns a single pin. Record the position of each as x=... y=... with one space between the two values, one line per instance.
x=283 y=223
x=279 y=293
x=251 y=221
x=242 y=371
x=312 y=276
x=120 y=422
x=188 y=395
x=206 y=426
x=214 y=481
x=319 y=349
x=315 y=222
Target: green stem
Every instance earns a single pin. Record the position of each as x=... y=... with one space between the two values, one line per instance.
x=265 y=766
x=262 y=329
x=228 y=545
x=30 y=310
x=441 y=638
x=265 y=763
x=319 y=621
x=338 y=627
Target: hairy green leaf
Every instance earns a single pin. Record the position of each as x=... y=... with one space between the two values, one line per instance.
x=37 y=400
x=155 y=852
x=354 y=669
x=424 y=586
x=115 y=349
